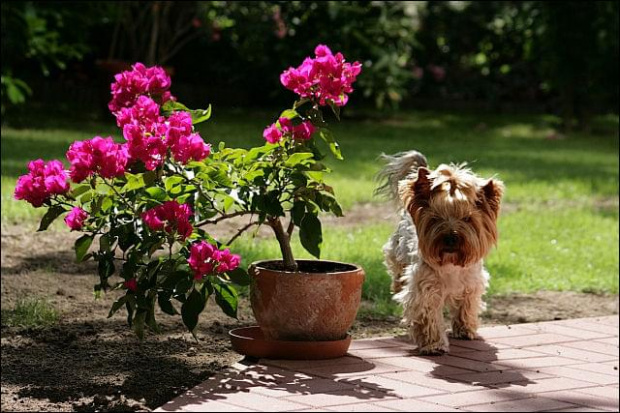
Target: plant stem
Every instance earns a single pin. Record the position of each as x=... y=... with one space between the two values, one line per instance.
x=285 y=244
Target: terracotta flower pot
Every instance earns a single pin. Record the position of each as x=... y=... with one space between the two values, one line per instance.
x=317 y=303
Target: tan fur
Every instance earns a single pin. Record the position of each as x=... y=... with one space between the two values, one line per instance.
x=448 y=225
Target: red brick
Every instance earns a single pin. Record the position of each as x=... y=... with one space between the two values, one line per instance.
x=373 y=343
x=582 y=375
x=475 y=397
x=611 y=340
x=534 y=404
x=582 y=399
x=414 y=405
x=533 y=340
x=573 y=353
x=374 y=353
x=605 y=392
x=352 y=370
x=566 y=330
x=504 y=354
x=601 y=368
x=535 y=362
x=595 y=347
x=546 y=385
x=316 y=385
x=590 y=326
x=611 y=320
x=480 y=345
x=426 y=380
x=423 y=365
x=301 y=364
x=461 y=363
x=496 y=377
x=393 y=387
x=339 y=398
x=360 y=407
x=489 y=333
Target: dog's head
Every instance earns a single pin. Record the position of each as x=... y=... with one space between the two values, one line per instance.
x=455 y=213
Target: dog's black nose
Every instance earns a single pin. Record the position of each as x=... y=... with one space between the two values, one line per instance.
x=451 y=240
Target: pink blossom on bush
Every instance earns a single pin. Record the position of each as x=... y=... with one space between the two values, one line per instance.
x=226 y=260
x=325 y=78
x=190 y=148
x=272 y=134
x=145 y=112
x=75 y=218
x=170 y=217
x=200 y=259
x=42 y=181
x=138 y=81
x=303 y=131
x=146 y=145
x=131 y=284
x=98 y=155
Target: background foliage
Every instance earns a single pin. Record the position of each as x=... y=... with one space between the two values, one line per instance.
x=559 y=57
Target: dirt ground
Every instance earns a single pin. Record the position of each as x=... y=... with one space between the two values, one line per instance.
x=90 y=362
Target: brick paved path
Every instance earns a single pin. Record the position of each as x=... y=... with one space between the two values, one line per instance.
x=560 y=366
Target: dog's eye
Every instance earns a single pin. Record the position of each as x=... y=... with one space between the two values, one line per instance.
x=467 y=218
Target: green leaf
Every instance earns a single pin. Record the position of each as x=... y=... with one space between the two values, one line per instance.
x=239 y=276
x=134 y=182
x=226 y=298
x=311 y=234
x=172 y=181
x=298 y=158
x=79 y=190
x=198 y=115
x=297 y=212
x=106 y=266
x=117 y=305
x=289 y=114
x=81 y=247
x=166 y=306
x=49 y=217
x=191 y=309
x=328 y=137
x=156 y=193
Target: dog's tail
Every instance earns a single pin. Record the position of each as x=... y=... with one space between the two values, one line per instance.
x=397 y=168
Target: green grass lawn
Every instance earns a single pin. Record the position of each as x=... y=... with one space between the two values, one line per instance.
x=559 y=225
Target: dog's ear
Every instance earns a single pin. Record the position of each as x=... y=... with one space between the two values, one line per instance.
x=422 y=185
x=491 y=195
x=416 y=193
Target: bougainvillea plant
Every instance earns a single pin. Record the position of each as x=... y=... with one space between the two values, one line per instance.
x=148 y=201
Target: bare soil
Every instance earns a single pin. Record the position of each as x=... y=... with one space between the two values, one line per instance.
x=89 y=362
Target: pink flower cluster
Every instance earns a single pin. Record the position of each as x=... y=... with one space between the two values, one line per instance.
x=205 y=259
x=97 y=155
x=42 y=181
x=149 y=135
x=284 y=127
x=325 y=78
x=131 y=284
x=170 y=217
x=75 y=218
x=141 y=80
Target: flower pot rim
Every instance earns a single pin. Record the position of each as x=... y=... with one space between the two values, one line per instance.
x=355 y=267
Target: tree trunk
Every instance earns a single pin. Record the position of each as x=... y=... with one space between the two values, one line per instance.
x=285 y=244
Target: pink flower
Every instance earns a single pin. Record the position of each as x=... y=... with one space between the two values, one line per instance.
x=146 y=145
x=131 y=284
x=200 y=259
x=97 y=156
x=170 y=217
x=42 y=181
x=189 y=148
x=326 y=78
x=303 y=131
x=272 y=134
x=438 y=72
x=130 y=84
x=75 y=218
x=227 y=261
x=144 y=111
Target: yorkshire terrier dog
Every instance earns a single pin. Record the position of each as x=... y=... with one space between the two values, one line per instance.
x=447 y=226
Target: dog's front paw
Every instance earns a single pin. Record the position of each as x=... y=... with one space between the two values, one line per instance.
x=433 y=350
x=462 y=333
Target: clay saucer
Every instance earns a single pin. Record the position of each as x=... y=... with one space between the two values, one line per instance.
x=250 y=341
